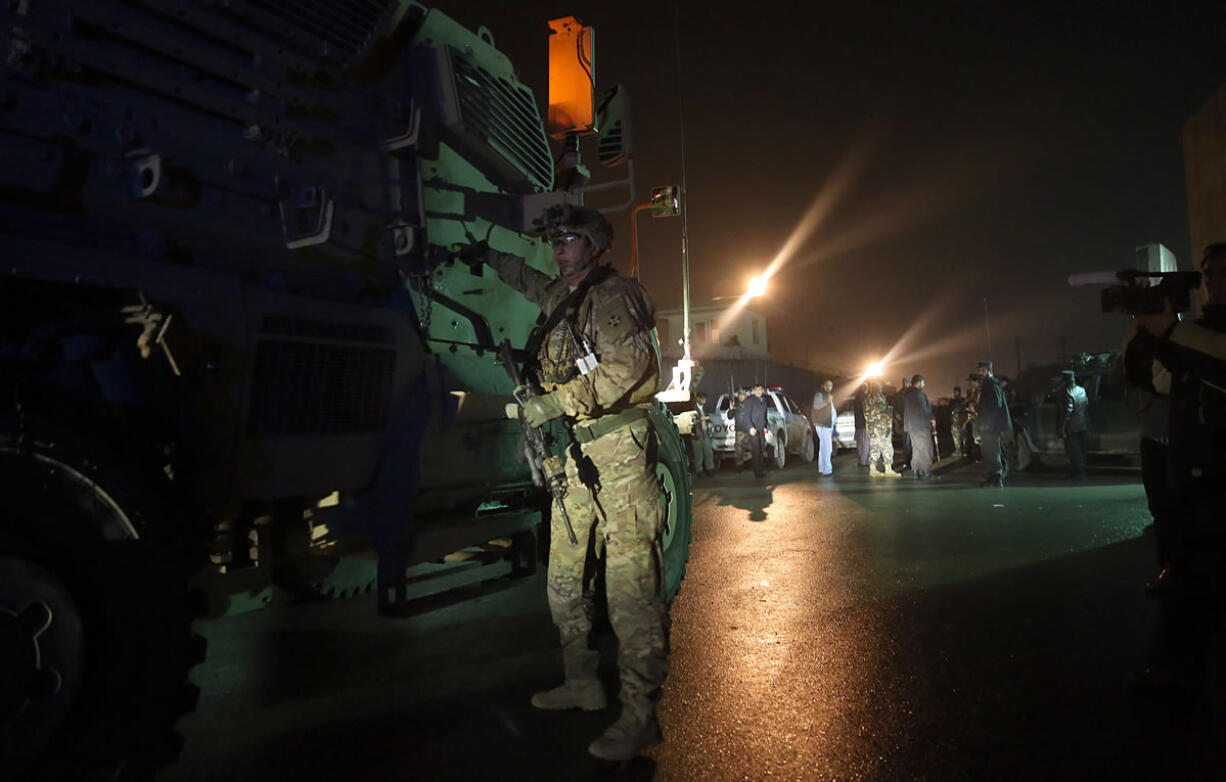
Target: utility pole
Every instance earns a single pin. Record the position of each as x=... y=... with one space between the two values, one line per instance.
x=987 y=325
x=685 y=276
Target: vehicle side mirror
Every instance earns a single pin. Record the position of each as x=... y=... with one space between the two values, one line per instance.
x=666 y=201
x=614 y=146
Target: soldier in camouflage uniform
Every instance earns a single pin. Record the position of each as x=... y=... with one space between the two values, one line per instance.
x=957 y=418
x=879 y=418
x=740 y=437
x=970 y=436
x=600 y=368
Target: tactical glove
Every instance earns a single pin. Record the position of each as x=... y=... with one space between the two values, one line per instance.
x=540 y=409
x=474 y=253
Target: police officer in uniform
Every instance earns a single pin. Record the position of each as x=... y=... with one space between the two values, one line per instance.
x=704 y=452
x=1074 y=421
x=600 y=368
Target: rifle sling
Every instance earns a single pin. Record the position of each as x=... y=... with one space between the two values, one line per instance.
x=567 y=308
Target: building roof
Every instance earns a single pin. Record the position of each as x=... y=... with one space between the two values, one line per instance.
x=706 y=308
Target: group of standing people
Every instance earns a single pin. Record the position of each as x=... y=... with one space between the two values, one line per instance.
x=978 y=419
x=748 y=411
x=875 y=415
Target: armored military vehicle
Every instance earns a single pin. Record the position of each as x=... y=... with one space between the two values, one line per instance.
x=234 y=327
x=1114 y=433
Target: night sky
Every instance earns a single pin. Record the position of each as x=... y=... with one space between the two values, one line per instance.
x=955 y=151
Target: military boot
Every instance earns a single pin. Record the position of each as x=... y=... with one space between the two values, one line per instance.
x=631 y=734
x=586 y=694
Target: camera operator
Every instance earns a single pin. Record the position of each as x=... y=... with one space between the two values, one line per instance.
x=1188 y=361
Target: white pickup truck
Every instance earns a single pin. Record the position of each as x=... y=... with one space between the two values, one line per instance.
x=788 y=429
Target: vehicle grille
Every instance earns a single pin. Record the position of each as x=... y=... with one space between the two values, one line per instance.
x=309 y=388
x=311 y=328
x=343 y=30
x=504 y=116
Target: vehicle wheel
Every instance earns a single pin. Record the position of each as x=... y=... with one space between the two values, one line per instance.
x=808 y=451
x=675 y=503
x=307 y=571
x=95 y=616
x=781 y=450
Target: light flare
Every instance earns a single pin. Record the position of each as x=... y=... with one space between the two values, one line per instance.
x=828 y=197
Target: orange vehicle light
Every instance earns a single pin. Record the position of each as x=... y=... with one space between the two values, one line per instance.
x=572 y=78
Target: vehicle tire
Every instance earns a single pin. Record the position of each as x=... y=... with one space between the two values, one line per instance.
x=307 y=572
x=676 y=507
x=95 y=614
x=781 y=450
x=808 y=450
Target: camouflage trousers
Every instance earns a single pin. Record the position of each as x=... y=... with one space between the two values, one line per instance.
x=955 y=433
x=880 y=446
x=741 y=449
x=622 y=522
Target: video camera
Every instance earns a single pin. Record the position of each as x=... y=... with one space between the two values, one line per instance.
x=1132 y=291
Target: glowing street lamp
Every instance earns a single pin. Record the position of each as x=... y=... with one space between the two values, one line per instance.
x=757 y=287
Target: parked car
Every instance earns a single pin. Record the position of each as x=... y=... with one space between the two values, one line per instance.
x=788 y=429
x=1114 y=432
x=845 y=426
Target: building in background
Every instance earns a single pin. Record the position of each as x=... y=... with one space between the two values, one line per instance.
x=1204 y=155
x=715 y=334
x=734 y=350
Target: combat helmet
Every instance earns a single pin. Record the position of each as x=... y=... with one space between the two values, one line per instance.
x=562 y=219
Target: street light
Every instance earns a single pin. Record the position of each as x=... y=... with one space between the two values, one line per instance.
x=757 y=287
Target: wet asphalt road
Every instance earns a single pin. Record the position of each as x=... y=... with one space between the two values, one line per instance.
x=828 y=629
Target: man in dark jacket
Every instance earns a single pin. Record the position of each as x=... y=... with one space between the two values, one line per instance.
x=1187 y=360
x=752 y=420
x=898 y=401
x=918 y=423
x=992 y=419
x=857 y=408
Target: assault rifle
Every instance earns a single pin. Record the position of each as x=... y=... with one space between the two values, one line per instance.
x=547 y=469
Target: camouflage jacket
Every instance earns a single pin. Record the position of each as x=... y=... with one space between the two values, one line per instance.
x=878 y=414
x=616 y=317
